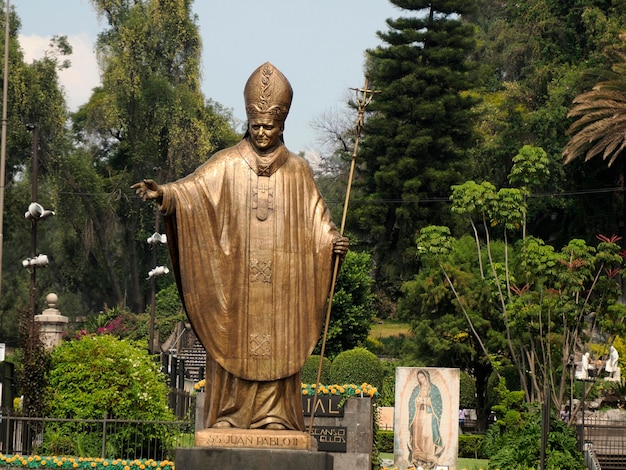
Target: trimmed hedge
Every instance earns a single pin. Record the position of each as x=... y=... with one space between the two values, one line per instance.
x=357 y=366
x=471 y=446
x=309 y=371
x=384 y=441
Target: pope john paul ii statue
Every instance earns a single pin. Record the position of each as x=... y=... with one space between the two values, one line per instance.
x=252 y=246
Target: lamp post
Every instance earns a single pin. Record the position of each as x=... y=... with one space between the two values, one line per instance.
x=35 y=213
x=584 y=381
x=3 y=138
x=155 y=240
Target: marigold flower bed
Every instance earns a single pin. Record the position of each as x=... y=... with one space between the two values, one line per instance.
x=37 y=461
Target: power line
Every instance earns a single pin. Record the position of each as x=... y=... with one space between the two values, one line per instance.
x=581 y=192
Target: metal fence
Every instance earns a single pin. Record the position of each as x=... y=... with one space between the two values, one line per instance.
x=106 y=438
x=607 y=439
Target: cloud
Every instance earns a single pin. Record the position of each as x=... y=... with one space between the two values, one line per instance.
x=78 y=80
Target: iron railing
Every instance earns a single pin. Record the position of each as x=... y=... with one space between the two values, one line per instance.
x=607 y=438
x=106 y=437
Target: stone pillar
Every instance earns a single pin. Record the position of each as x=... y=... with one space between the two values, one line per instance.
x=51 y=323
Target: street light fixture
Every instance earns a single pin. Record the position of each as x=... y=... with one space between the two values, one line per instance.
x=37 y=212
x=157 y=239
x=34 y=214
x=39 y=261
x=157 y=271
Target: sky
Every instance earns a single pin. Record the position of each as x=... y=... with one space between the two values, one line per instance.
x=318 y=45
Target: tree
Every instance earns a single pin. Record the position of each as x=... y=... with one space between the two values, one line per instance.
x=600 y=129
x=147 y=120
x=601 y=120
x=35 y=97
x=532 y=57
x=523 y=303
x=419 y=128
x=352 y=312
x=448 y=332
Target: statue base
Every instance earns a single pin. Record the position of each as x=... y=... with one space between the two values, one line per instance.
x=236 y=458
x=263 y=449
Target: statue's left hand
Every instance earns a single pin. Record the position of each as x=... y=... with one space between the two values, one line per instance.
x=341 y=246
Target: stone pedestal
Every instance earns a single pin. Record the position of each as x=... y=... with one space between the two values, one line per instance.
x=51 y=323
x=235 y=449
x=204 y=458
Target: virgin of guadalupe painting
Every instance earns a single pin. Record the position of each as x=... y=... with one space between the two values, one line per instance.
x=425 y=409
x=426 y=418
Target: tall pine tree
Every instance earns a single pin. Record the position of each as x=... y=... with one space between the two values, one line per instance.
x=418 y=131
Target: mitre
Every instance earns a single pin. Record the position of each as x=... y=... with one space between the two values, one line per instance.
x=268 y=93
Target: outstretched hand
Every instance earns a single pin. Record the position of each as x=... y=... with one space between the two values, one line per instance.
x=148 y=190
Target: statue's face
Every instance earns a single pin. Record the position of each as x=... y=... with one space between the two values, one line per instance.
x=265 y=133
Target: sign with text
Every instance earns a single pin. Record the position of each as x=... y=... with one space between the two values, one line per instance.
x=327 y=406
x=330 y=438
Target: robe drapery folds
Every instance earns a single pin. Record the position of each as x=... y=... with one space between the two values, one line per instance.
x=251 y=243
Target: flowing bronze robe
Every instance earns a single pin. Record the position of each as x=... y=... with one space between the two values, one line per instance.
x=251 y=243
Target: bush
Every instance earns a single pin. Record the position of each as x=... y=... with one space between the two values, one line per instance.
x=103 y=374
x=521 y=447
x=384 y=439
x=99 y=374
x=357 y=366
x=309 y=371
x=471 y=446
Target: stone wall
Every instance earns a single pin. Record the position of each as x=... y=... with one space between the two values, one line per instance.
x=359 y=423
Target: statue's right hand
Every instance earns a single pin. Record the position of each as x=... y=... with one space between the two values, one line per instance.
x=148 y=190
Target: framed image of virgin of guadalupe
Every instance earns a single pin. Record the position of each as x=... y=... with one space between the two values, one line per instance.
x=426 y=418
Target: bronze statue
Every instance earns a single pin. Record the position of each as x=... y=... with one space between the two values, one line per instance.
x=252 y=246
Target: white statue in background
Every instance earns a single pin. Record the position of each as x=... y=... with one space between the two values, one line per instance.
x=612 y=365
x=584 y=368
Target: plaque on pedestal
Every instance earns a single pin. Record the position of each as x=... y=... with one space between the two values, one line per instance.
x=254 y=438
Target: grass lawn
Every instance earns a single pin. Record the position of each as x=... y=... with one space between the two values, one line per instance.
x=389 y=328
x=463 y=464
x=473 y=464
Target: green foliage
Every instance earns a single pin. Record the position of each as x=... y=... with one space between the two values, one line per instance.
x=471 y=446
x=352 y=310
x=514 y=440
x=530 y=167
x=169 y=310
x=388 y=390
x=529 y=82
x=357 y=366
x=311 y=367
x=33 y=97
x=33 y=367
x=473 y=199
x=418 y=131
x=103 y=374
x=384 y=440
x=518 y=446
x=524 y=300
x=467 y=391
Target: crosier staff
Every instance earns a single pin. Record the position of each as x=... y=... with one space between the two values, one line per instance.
x=363 y=98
